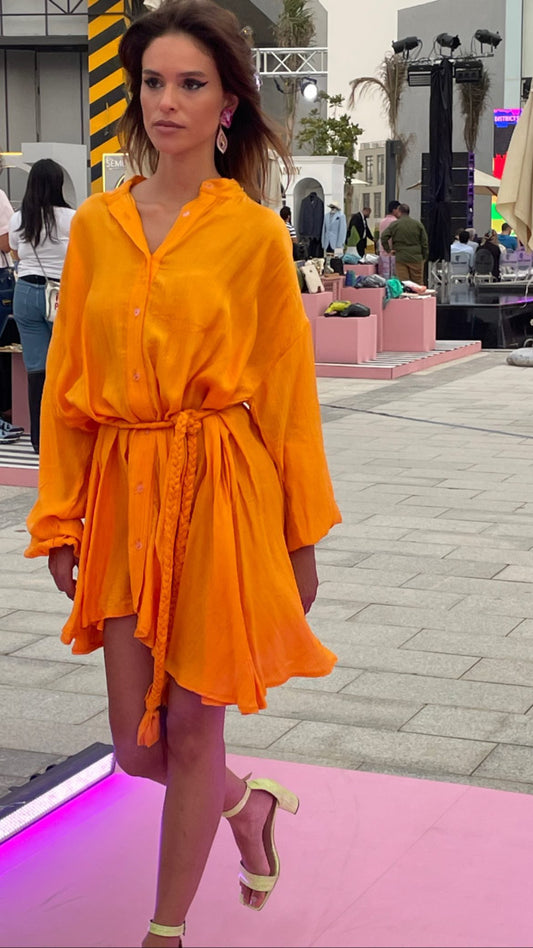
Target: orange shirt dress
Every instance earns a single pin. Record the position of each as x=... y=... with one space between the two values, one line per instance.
x=181 y=445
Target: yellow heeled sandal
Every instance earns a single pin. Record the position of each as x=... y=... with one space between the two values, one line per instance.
x=167 y=931
x=283 y=799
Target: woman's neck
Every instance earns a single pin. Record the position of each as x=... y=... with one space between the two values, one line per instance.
x=179 y=182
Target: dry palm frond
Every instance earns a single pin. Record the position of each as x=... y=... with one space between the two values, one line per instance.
x=295 y=26
x=474 y=100
x=390 y=83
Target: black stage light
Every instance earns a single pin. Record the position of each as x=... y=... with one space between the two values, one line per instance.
x=406 y=44
x=447 y=41
x=419 y=74
x=468 y=70
x=486 y=38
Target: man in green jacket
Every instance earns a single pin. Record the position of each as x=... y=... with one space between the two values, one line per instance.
x=409 y=245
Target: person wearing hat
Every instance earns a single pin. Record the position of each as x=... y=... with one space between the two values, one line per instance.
x=360 y=222
x=334 y=229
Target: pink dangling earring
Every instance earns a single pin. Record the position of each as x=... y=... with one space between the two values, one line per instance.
x=226 y=117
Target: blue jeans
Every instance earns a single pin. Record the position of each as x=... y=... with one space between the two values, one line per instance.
x=29 y=307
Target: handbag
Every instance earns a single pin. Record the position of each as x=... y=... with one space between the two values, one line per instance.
x=312 y=278
x=7 y=287
x=51 y=294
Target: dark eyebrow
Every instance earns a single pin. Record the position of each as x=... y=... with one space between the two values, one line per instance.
x=193 y=73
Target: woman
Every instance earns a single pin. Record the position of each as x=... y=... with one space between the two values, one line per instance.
x=180 y=421
x=38 y=237
x=489 y=244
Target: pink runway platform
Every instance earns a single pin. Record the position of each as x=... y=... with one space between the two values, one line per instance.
x=370 y=860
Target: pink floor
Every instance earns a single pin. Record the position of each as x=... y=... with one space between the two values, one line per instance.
x=369 y=860
x=393 y=365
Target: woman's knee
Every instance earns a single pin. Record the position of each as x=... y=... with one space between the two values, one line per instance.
x=138 y=761
x=194 y=731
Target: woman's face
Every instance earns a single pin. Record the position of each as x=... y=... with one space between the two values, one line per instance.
x=181 y=96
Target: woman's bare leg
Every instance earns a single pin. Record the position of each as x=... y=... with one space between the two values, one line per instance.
x=193 y=803
x=129 y=670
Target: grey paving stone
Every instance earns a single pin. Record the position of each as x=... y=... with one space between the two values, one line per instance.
x=364 y=529
x=255 y=730
x=517 y=574
x=508 y=763
x=40 y=623
x=331 y=609
x=84 y=681
x=38 y=600
x=34 y=704
x=451 y=620
x=53 y=736
x=433 y=565
x=515 y=729
x=491 y=553
x=430 y=690
x=335 y=681
x=524 y=630
x=501 y=670
x=469 y=723
x=425 y=523
x=472 y=643
x=456 y=539
x=393 y=595
x=352 y=574
x=412 y=662
x=52 y=649
x=368 y=545
x=467 y=586
x=337 y=557
x=11 y=641
x=381 y=747
x=519 y=606
x=338 y=708
x=28 y=672
x=350 y=632
x=17 y=763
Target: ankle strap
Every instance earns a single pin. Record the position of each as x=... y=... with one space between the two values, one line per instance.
x=166 y=931
x=242 y=802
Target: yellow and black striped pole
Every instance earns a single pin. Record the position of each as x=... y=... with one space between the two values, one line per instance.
x=108 y=20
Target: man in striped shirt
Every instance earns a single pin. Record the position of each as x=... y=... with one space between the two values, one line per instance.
x=285 y=215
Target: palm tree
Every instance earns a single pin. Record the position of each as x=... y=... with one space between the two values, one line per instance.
x=474 y=97
x=390 y=83
x=295 y=27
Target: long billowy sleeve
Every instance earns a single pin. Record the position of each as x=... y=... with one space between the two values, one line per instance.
x=286 y=410
x=67 y=433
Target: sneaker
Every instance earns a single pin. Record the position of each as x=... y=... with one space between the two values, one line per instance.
x=7 y=426
x=9 y=436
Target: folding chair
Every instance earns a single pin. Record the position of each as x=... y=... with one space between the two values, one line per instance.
x=460 y=269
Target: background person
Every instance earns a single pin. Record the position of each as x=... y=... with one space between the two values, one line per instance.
x=8 y=432
x=386 y=262
x=181 y=425
x=489 y=243
x=38 y=237
x=461 y=244
x=409 y=244
x=507 y=240
x=359 y=220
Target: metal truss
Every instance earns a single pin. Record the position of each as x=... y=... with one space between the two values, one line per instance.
x=308 y=61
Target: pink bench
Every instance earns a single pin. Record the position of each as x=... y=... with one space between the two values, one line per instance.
x=345 y=340
x=409 y=324
x=373 y=297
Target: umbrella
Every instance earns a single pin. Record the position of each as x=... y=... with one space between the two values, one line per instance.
x=515 y=200
x=483 y=183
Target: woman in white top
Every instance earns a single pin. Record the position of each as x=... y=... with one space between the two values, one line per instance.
x=38 y=236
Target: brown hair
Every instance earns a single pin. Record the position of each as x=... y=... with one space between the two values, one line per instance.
x=252 y=134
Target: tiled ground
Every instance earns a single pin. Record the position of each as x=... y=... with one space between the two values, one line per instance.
x=426 y=596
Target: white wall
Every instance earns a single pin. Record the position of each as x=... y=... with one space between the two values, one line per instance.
x=359 y=35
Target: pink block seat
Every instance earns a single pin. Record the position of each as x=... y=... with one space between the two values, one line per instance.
x=335 y=283
x=409 y=324
x=345 y=340
x=315 y=304
x=373 y=297
x=364 y=269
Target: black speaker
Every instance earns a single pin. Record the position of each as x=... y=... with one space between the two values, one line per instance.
x=462 y=190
